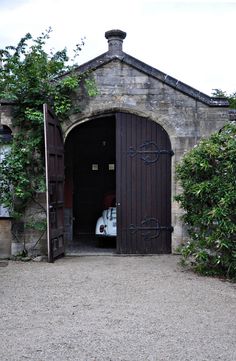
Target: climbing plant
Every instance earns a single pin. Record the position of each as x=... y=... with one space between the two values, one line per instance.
x=207 y=176
x=31 y=76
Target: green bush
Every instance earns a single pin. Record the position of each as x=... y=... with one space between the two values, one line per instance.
x=207 y=175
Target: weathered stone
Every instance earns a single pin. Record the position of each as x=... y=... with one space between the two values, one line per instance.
x=38 y=259
x=25 y=259
x=16 y=248
x=3 y=263
x=5 y=237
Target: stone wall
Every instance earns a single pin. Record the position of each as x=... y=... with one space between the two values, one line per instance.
x=6 y=113
x=26 y=233
x=5 y=238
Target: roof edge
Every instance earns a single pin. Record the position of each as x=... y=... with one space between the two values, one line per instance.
x=175 y=83
x=155 y=73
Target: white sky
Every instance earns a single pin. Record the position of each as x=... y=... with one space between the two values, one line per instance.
x=193 y=41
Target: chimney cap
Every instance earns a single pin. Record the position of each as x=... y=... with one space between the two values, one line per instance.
x=115 y=33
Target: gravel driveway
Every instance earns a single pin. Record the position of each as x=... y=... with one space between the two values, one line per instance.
x=108 y=308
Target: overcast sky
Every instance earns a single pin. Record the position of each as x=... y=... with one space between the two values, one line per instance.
x=193 y=41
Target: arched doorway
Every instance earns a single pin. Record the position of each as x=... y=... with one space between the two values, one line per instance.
x=130 y=155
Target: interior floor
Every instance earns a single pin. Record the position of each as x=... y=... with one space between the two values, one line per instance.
x=89 y=244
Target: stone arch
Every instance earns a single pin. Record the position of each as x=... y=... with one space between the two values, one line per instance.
x=84 y=121
x=163 y=121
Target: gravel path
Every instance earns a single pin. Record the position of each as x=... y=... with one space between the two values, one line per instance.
x=104 y=308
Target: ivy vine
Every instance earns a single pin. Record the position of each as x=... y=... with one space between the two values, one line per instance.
x=30 y=77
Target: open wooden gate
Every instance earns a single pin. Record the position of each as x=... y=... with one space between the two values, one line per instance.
x=54 y=162
x=143 y=193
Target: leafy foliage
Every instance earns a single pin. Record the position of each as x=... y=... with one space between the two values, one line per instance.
x=30 y=77
x=207 y=176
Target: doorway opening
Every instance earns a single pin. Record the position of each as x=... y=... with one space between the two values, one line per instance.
x=90 y=183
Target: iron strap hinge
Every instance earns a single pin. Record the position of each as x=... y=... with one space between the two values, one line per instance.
x=149 y=152
x=150 y=228
x=134 y=228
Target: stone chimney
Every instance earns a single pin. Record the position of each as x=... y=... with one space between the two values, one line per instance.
x=115 y=41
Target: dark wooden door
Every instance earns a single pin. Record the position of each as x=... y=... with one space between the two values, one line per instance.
x=143 y=186
x=54 y=162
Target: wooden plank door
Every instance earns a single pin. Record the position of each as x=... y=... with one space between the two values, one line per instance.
x=54 y=163
x=143 y=186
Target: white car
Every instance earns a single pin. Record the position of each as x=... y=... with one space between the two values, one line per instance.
x=106 y=224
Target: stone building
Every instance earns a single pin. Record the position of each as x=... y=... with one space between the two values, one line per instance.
x=128 y=140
